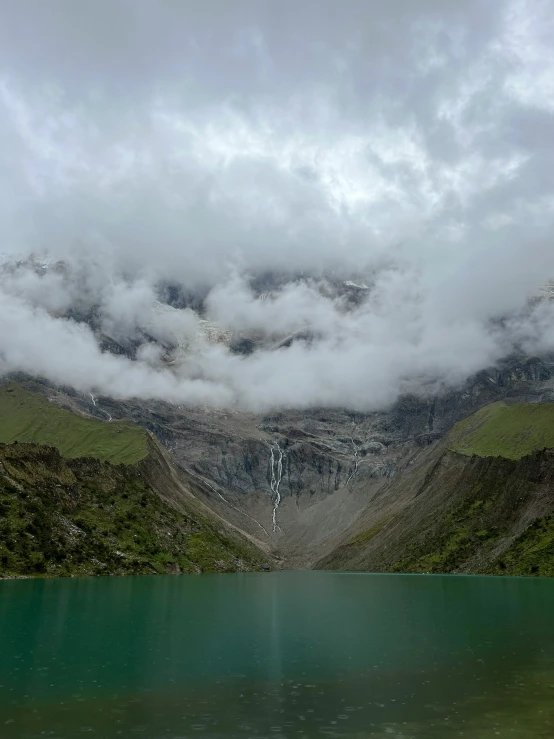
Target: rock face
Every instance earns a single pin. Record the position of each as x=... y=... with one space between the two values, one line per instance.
x=331 y=459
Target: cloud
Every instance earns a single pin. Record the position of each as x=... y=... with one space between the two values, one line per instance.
x=210 y=149
x=67 y=352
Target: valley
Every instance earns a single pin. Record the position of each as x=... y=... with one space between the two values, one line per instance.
x=449 y=483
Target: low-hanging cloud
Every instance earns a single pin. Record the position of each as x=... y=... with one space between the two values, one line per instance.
x=378 y=186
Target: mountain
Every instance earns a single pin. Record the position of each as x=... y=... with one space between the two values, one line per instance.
x=340 y=471
x=296 y=483
x=480 y=501
x=108 y=500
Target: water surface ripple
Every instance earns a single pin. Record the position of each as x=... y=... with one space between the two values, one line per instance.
x=290 y=654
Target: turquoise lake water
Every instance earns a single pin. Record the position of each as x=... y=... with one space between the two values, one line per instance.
x=289 y=654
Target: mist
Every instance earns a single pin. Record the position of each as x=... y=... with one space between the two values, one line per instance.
x=365 y=197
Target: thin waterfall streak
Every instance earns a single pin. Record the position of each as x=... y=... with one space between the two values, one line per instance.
x=356 y=461
x=276 y=467
x=95 y=404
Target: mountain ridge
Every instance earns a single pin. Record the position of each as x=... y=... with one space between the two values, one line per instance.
x=463 y=513
x=79 y=514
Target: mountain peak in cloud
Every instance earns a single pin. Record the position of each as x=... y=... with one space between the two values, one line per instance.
x=362 y=199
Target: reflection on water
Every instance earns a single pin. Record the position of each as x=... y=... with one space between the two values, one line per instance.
x=277 y=654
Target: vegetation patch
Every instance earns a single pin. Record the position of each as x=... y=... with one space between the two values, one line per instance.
x=29 y=417
x=501 y=430
x=532 y=553
x=366 y=536
x=61 y=517
x=469 y=528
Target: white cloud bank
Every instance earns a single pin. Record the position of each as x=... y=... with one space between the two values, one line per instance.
x=407 y=146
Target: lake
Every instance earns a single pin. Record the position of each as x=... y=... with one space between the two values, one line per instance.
x=287 y=654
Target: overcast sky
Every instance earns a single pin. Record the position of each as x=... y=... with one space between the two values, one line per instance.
x=199 y=141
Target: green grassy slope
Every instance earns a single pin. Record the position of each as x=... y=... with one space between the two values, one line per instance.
x=61 y=517
x=483 y=502
x=28 y=417
x=500 y=430
x=532 y=553
x=476 y=534
x=481 y=515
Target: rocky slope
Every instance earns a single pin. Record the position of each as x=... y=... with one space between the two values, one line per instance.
x=461 y=511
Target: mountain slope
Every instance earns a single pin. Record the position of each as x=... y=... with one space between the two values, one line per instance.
x=460 y=513
x=62 y=517
x=509 y=431
x=28 y=417
x=74 y=513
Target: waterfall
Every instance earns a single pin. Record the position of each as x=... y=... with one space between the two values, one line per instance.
x=356 y=461
x=95 y=404
x=276 y=467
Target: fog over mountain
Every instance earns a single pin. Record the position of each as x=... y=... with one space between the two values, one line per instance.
x=360 y=193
